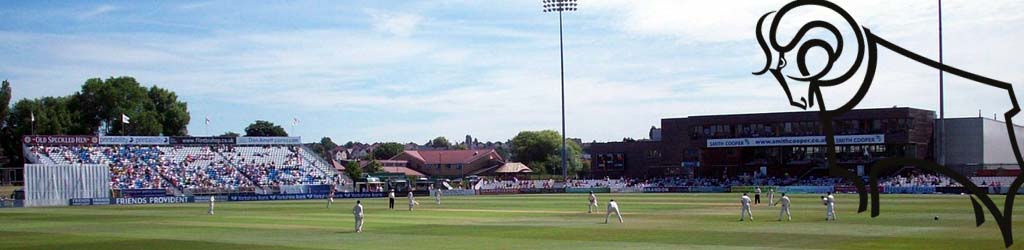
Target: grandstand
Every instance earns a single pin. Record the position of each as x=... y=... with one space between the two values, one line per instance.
x=196 y=168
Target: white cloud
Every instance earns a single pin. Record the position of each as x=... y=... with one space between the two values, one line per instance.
x=688 y=21
x=399 y=24
x=99 y=10
x=195 y=5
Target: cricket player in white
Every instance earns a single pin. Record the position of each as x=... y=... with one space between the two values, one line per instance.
x=771 y=197
x=412 y=201
x=358 y=212
x=785 y=207
x=612 y=207
x=824 y=202
x=830 y=206
x=330 y=199
x=745 y=207
x=210 y=212
x=437 y=196
x=593 y=203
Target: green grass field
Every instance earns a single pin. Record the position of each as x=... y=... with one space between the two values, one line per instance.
x=653 y=221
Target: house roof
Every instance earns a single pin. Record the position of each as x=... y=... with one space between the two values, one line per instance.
x=337 y=165
x=453 y=156
x=403 y=170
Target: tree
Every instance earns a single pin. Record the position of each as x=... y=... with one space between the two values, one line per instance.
x=230 y=134
x=154 y=111
x=101 y=103
x=328 y=143
x=388 y=150
x=542 y=151
x=439 y=142
x=9 y=141
x=145 y=123
x=172 y=114
x=5 y=101
x=264 y=128
x=374 y=167
x=324 y=147
x=503 y=152
x=353 y=170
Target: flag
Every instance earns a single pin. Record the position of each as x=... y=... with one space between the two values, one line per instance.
x=125 y=119
x=207 y=120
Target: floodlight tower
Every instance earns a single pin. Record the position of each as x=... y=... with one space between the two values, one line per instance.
x=561 y=6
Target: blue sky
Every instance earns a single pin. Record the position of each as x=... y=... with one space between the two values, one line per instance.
x=412 y=70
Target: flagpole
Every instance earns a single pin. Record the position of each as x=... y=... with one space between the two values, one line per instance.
x=33 y=116
x=123 y=124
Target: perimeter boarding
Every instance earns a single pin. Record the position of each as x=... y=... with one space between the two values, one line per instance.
x=159 y=196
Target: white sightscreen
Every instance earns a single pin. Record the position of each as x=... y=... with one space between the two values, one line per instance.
x=55 y=185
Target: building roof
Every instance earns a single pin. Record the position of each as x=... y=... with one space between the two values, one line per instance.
x=513 y=167
x=810 y=114
x=507 y=168
x=453 y=156
x=338 y=165
x=403 y=170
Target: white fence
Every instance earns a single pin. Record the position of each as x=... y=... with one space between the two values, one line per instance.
x=55 y=185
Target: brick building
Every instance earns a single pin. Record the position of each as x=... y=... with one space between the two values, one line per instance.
x=776 y=144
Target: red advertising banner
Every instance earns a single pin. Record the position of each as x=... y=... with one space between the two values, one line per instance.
x=60 y=139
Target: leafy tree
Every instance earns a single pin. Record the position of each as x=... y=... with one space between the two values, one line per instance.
x=52 y=116
x=101 y=102
x=328 y=143
x=439 y=142
x=324 y=147
x=154 y=111
x=459 y=147
x=145 y=123
x=503 y=152
x=353 y=170
x=10 y=141
x=388 y=150
x=5 y=100
x=172 y=114
x=264 y=128
x=230 y=134
x=542 y=151
x=374 y=167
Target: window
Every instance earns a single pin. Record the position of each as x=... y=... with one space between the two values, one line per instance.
x=653 y=154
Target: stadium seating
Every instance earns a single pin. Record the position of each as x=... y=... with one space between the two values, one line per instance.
x=277 y=165
x=920 y=180
x=198 y=169
x=987 y=181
